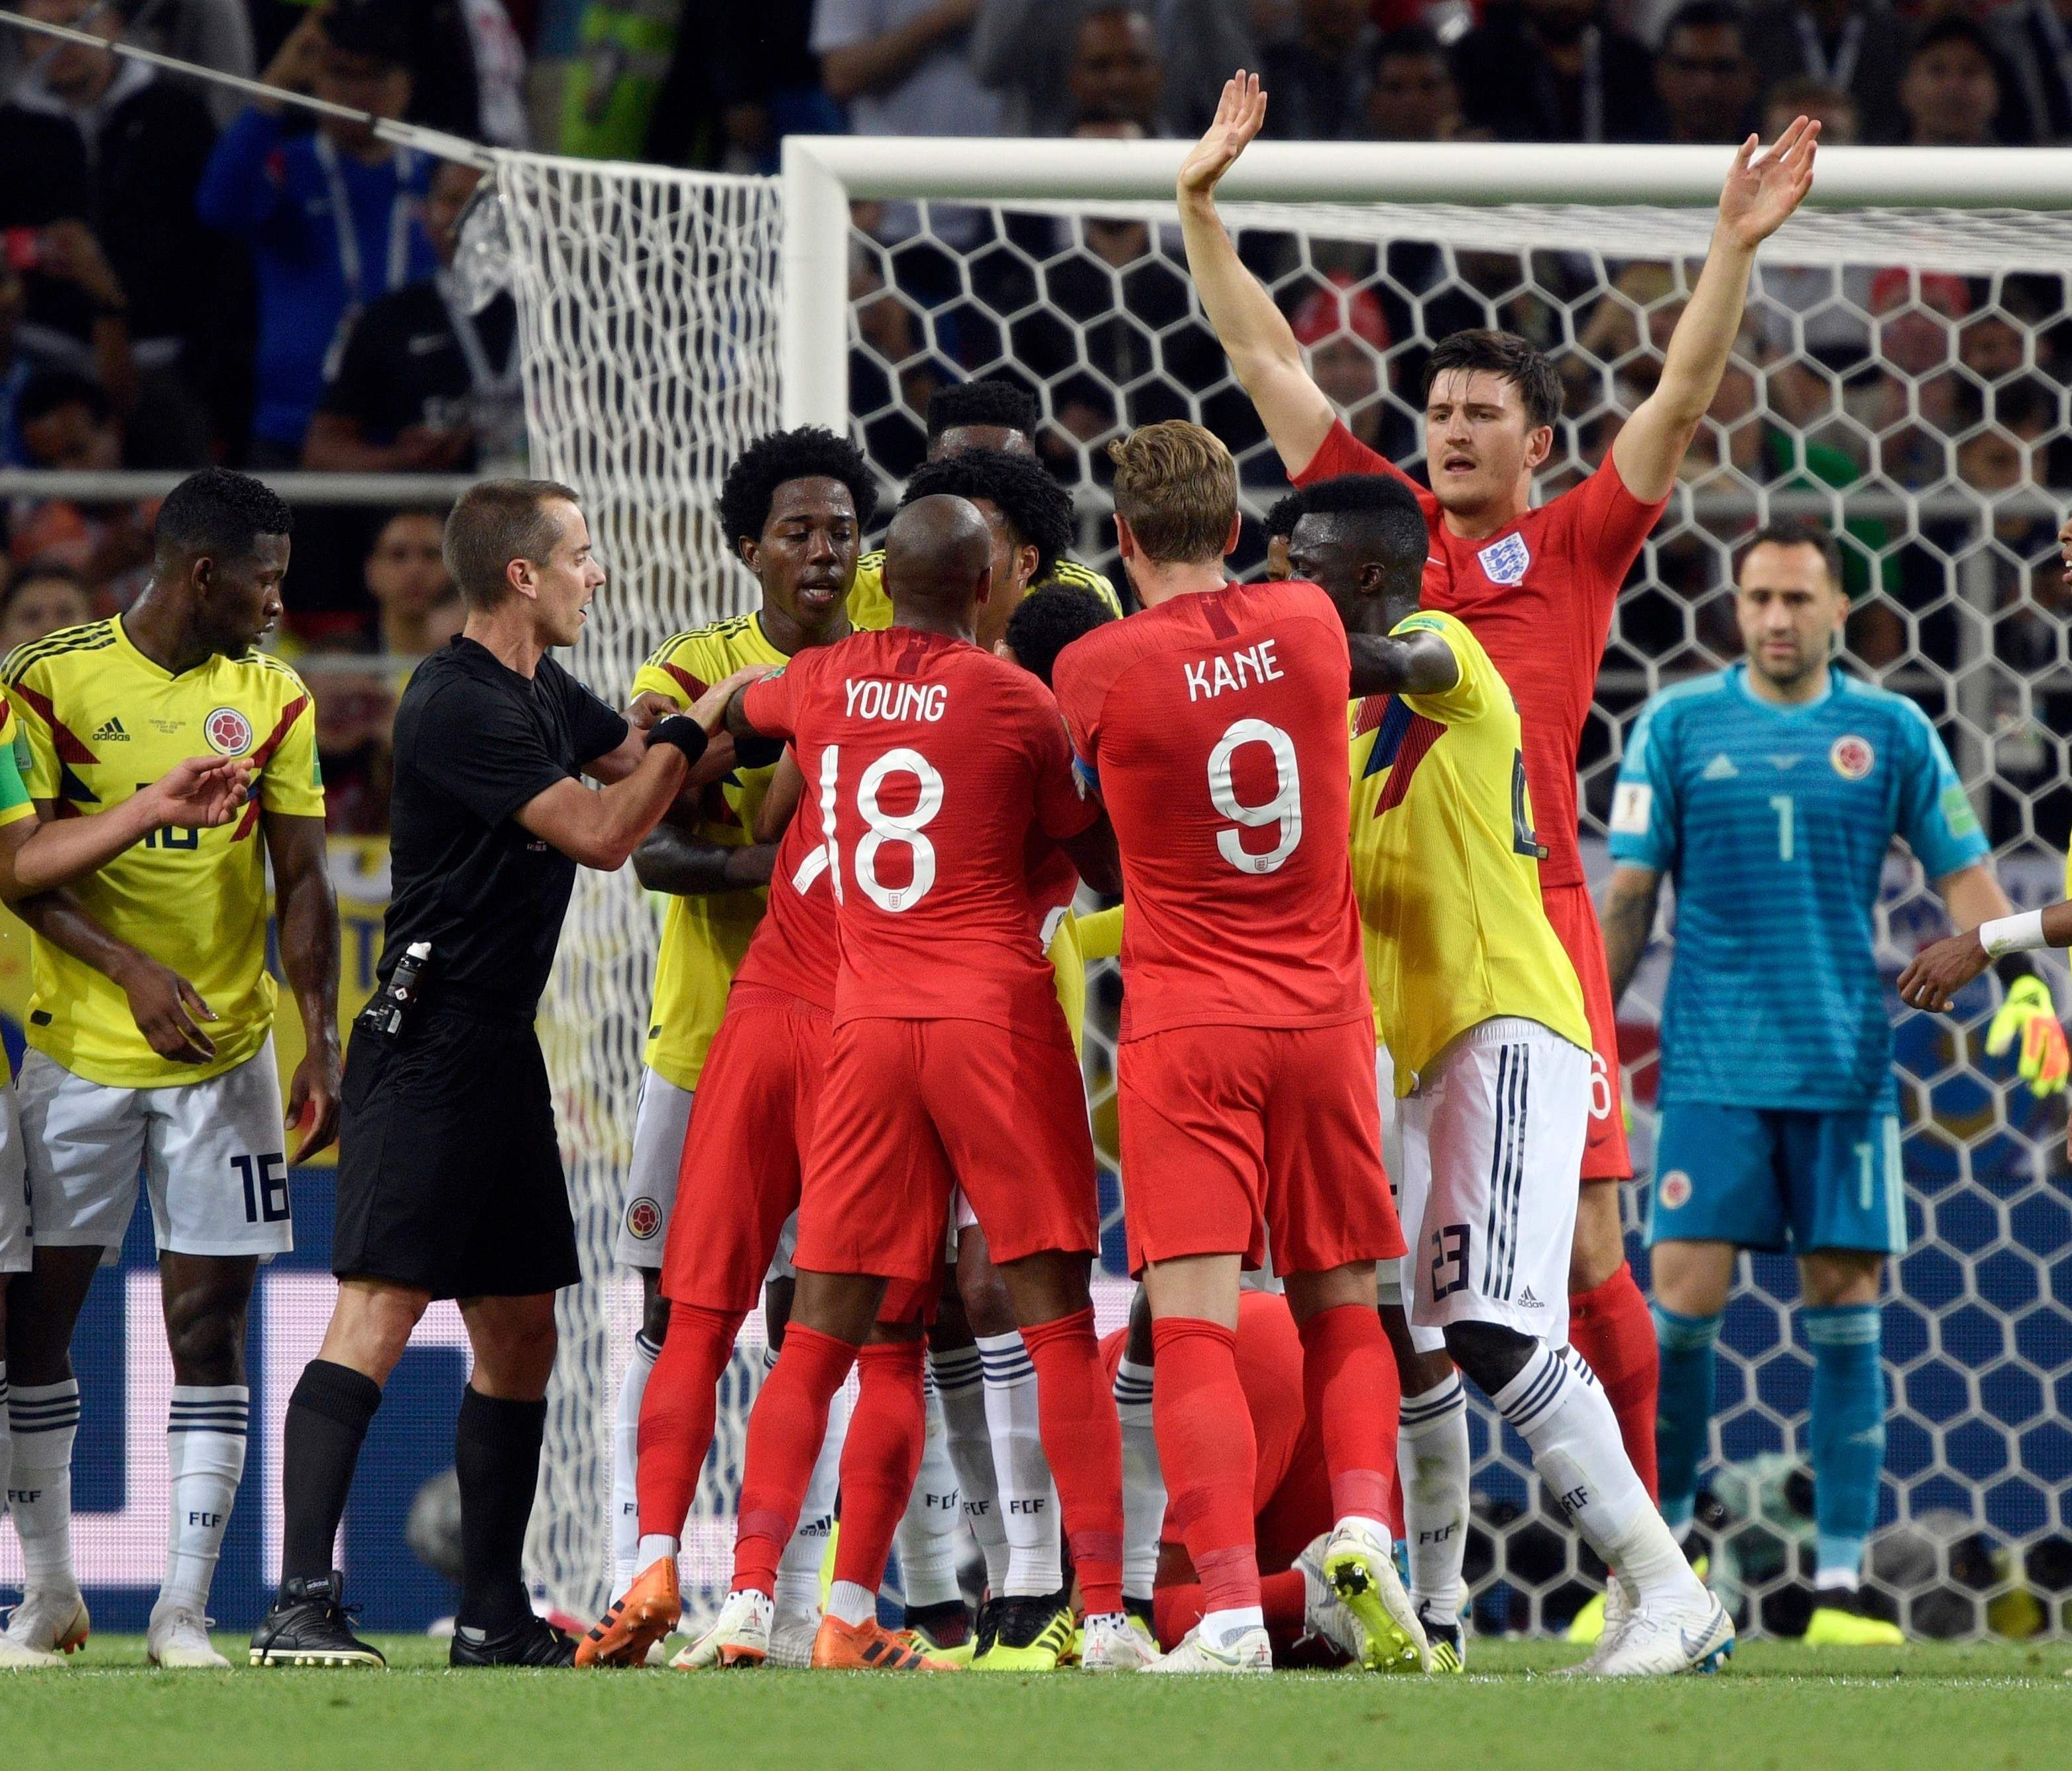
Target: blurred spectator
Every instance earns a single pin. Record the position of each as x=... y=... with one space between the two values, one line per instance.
x=741 y=79
x=1950 y=90
x=62 y=249
x=611 y=98
x=1556 y=70
x=1344 y=338
x=1704 y=78
x=2034 y=38
x=127 y=156
x=67 y=424
x=424 y=386
x=499 y=58
x=43 y=597
x=330 y=216
x=1413 y=96
x=1023 y=50
x=1841 y=124
x=1115 y=81
x=904 y=67
x=1317 y=78
x=214 y=33
x=356 y=736
x=1859 y=46
x=417 y=609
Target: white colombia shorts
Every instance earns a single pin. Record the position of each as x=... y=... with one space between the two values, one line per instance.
x=661 y=1124
x=17 y=1247
x=213 y=1154
x=1492 y=1139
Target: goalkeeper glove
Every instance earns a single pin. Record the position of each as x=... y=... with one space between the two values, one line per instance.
x=2028 y=1013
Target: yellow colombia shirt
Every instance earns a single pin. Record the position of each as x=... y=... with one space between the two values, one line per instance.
x=1445 y=867
x=15 y=803
x=99 y=721
x=870 y=607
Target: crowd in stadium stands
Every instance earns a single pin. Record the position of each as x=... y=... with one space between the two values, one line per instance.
x=188 y=277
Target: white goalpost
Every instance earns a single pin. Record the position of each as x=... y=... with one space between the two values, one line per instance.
x=1902 y=377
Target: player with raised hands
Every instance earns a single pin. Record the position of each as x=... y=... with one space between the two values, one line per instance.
x=1536 y=586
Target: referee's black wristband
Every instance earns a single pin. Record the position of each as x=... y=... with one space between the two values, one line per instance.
x=682 y=731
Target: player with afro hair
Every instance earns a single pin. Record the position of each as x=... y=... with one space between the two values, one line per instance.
x=810 y=452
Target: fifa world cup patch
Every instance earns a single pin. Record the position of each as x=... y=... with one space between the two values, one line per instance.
x=1505 y=561
x=1676 y=1189
x=1853 y=757
x=228 y=732
x=644 y=1219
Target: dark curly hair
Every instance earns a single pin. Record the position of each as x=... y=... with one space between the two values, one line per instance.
x=1037 y=508
x=1507 y=356
x=1048 y=621
x=1386 y=512
x=810 y=452
x=221 y=513
x=1282 y=514
x=993 y=401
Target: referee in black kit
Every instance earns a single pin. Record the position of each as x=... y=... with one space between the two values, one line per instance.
x=450 y=1180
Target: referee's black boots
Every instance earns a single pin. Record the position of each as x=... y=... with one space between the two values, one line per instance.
x=309 y=1625
x=535 y=1642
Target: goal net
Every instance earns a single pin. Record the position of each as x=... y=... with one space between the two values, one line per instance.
x=1900 y=377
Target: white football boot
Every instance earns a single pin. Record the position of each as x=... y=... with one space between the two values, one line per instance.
x=1655 y=1643
x=1251 y=1652
x=50 y=1621
x=739 y=1637
x=1116 y=1643
x=178 y=1641
x=1362 y=1570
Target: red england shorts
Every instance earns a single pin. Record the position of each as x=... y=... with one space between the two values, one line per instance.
x=1575 y=919
x=751 y=1125
x=1235 y=1138
x=913 y=1107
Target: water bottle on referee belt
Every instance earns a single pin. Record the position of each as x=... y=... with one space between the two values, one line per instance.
x=391 y=1006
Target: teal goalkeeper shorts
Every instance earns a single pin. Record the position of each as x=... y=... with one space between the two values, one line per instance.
x=1771 y=1178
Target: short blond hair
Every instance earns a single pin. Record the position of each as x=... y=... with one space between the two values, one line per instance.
x=1176 y=486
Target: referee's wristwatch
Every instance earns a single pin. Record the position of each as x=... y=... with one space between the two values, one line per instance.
x=681 y=730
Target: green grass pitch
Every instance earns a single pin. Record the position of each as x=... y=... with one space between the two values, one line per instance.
x=1779 y=1705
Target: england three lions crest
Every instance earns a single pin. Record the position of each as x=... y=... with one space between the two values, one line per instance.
x=1506 y=561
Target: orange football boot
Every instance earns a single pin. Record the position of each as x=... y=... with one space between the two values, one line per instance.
x=870 y=1648
x=622 y=1636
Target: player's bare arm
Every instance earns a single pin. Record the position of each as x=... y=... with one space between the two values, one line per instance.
x=168 y=1010
x=1628 y=917
x=1758 y=198
x=1251 y=329
x=306 y=908
x=198 y=794
x=780 y=798
x=1940 y=970
x=1418 y=664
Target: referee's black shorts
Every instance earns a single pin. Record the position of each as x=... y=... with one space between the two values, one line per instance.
x=450 y=1174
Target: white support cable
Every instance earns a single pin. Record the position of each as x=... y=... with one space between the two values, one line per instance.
x=126 y=485
x=436 y=142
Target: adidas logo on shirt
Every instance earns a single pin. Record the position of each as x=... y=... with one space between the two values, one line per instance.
x=1526 y=1301
x=1721 y=768
x=111 y=733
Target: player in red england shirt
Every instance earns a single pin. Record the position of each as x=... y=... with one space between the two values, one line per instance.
x=1214 y=725
x=1537 y=586
x=928 y=763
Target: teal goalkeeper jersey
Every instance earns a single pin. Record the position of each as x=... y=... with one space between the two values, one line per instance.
x=1773 y=823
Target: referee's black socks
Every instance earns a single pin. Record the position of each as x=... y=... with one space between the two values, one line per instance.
x=327 y=1419
x=496 y=1455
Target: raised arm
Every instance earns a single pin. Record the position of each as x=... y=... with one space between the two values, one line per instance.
x=1253 y=331
x=1629 y=919
x=1418 y=664
x=1759 y=196
x=305 y=911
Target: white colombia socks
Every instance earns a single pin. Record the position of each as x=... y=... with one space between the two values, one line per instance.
x=1028 y=1497
x=44 y=1418
x=928 y=1534
x=1432 y=1453
x=1560 y=1412
x=205 y=1436
x=1143 y=1487
x=960 y=1388
x=627 y=1560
